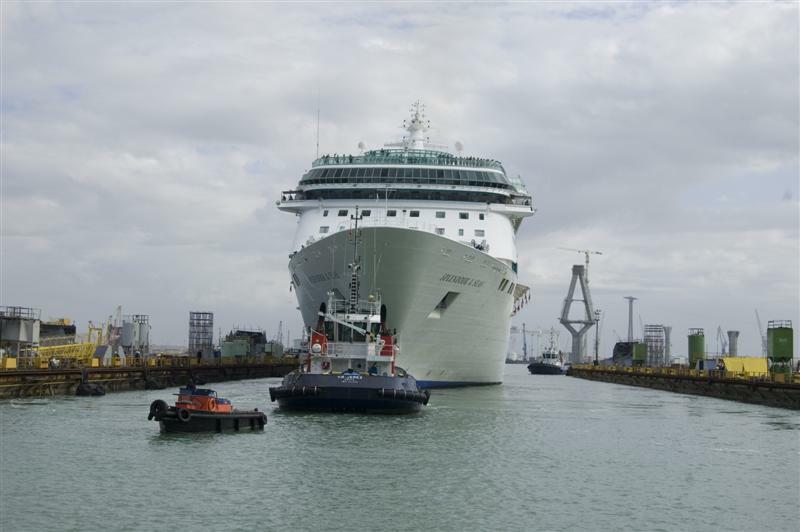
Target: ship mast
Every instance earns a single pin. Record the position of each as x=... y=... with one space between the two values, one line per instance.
x=354 y=266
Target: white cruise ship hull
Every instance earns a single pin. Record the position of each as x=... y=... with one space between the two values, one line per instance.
x=462 y=344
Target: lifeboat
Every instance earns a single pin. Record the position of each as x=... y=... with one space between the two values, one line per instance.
x=201 y=410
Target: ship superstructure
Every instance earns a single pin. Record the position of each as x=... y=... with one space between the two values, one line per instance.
x=437 y=238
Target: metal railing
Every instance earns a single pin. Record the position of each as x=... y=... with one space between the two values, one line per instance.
x=753 y=376
x=408 y=157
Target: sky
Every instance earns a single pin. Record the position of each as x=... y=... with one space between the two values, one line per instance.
x=144 y=146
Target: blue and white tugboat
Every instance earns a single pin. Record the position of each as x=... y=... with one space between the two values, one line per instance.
x=351 y=363
x=551 y=361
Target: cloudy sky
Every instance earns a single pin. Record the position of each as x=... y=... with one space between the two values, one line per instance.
x=144 y=146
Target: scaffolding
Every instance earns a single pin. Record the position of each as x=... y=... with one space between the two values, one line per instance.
x=656 y=337
x=201 y=334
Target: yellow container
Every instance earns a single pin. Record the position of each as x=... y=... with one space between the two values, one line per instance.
x=95 y=363
x=9 y=363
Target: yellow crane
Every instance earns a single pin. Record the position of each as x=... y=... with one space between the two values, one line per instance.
x=586 y=252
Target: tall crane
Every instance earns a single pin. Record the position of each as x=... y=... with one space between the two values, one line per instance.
x=586 y=252
x=763 y=336
x=537 y=333
x=722 y=342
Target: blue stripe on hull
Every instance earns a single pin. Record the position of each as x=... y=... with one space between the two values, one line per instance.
x=452 y=384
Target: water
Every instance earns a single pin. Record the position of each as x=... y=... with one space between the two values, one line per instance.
x=538 y=453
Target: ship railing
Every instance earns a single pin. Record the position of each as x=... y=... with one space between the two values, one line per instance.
x=348 y=350
x=427 y=157
x=292 y=195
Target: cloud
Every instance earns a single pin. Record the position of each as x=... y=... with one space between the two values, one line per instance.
x=144 y=146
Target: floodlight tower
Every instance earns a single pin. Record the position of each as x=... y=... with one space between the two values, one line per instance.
x=630 y=299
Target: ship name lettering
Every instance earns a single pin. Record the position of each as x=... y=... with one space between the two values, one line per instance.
x=325 y=276
x=460 y=279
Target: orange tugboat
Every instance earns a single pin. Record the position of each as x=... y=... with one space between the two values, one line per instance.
x=201 y=410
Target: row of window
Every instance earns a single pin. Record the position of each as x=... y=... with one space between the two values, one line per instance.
x=435 y=176
x=507 y=286
x=439 y=231
x=413 y=214
x=404 y=194
x=419 y=173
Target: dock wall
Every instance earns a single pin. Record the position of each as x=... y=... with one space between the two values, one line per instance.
x=782 y=391
x=45 y=382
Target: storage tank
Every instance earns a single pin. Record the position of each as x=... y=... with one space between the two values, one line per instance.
x=780 y=339
x=697 y=346
x=127 y=336
x=733 y=343
x=144 y=334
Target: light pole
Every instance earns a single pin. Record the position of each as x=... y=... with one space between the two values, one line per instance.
x=596 y=335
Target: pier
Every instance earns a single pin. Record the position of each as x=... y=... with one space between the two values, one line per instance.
x=778 y=390
x=65 y=381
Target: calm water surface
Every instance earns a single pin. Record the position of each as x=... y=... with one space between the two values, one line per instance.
x=537 y=453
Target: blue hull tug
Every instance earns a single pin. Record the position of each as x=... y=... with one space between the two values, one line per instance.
x=350 y=391
x=350 y=365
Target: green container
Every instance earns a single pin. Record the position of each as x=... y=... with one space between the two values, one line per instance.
x=780 y=347
x=697 y=346
x=639 y=352
x=234 y=348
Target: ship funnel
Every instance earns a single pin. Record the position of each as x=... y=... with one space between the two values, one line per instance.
x=733 y=343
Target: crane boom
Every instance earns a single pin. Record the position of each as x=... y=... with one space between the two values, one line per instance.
x=763 y=336
x=586 y=252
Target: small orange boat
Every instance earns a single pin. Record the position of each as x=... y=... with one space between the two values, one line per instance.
x=201 y=410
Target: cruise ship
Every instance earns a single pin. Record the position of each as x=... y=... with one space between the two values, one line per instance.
x=436 y=238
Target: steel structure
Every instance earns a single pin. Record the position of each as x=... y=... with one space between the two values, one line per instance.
x=578 y=277
x=201 y=334
x=656 y=337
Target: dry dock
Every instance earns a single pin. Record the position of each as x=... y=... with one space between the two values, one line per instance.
x=778 y=390
x=43 y=382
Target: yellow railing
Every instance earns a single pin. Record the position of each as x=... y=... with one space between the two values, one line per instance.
x=686 y=372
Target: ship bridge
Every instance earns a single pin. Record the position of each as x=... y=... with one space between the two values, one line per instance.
x=414 y=185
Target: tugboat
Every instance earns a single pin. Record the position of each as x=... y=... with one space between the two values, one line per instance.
x=351 y=363
x=550 y=362
x=201 y=410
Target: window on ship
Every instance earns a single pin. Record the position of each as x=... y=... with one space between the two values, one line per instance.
x=414 y=214
x=391 y=212
x=440 y=214
x=343 y=212
x=463 y=215
x=366 y=212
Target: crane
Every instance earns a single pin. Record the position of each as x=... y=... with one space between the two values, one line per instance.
x=586 y=252
x=763 y=336
x=525 y=333
x=722 y=341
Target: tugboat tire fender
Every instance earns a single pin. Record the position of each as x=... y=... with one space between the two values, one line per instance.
x=157 y=409
x=184 y=415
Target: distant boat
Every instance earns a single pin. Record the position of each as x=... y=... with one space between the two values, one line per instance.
x=550 y=362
